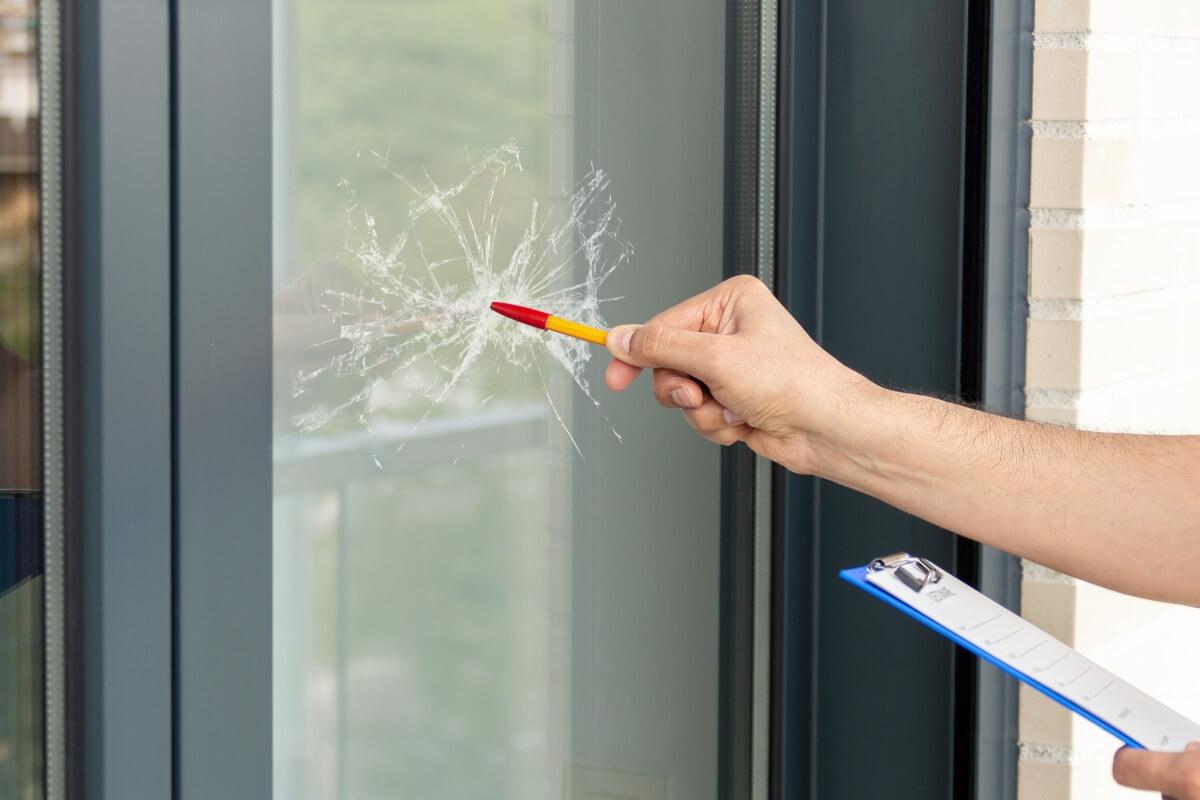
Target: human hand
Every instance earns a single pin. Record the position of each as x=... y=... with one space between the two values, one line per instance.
x=742 y=369
x=1176 y=775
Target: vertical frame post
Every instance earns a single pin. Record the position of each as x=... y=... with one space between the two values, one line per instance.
x=1004 y=245
x=222 y=397
x=117 y=415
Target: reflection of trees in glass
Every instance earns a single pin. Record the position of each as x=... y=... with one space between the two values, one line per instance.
x=425 y=81
x=430 y=85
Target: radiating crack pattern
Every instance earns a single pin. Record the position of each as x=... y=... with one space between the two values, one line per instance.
x=419 y=321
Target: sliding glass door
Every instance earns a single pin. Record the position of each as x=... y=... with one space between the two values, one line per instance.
x=491 y=577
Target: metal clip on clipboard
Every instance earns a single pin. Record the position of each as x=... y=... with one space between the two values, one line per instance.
x=1029 y=654
x=915 y=573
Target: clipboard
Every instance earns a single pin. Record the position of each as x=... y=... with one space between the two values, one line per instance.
x=935 y=598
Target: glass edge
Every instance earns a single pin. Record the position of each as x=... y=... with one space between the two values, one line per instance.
x=50 y=180
x=768 y=124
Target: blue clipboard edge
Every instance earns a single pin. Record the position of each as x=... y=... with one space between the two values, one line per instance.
x=857 y=576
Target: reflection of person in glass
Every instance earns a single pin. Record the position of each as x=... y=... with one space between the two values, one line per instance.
x=1118 y=510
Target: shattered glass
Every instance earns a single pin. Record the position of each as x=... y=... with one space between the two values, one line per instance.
x=418 y=321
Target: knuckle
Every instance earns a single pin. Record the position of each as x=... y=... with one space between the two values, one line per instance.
x=727 y=438
x=746 y=281
x=652 y=341
x=708 y=423
x=714 y=346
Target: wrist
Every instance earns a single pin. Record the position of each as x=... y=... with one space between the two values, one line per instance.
x=848 y=441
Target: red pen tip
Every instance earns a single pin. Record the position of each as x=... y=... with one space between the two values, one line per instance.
x=530 y=316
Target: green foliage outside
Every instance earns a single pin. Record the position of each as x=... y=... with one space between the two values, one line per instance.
x=426 y=81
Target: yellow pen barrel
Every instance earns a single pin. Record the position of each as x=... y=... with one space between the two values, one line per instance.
x=576 y=329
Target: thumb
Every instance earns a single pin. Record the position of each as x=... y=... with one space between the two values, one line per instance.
x=1149 y=770
x=687 y=351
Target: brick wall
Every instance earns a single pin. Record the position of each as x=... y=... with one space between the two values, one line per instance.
x=1114 y=329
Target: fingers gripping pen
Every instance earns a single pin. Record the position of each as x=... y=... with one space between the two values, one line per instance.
x=549 y=322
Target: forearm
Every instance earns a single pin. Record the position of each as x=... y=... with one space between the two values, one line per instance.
x=1118 y=510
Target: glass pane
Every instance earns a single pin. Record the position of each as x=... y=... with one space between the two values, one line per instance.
x=21 y=660
x=492 y=578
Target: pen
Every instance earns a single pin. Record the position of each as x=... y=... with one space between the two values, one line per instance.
x=549 y=322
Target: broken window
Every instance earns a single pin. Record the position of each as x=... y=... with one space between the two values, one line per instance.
x=492 y=578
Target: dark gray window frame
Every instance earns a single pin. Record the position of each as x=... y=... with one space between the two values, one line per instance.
x=221 y=221
x=167 y=474
x=117 y=409
x=1007 y=142
x=994 y=221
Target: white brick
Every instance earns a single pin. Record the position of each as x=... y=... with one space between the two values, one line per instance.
x=1051 y=607
x=1169 y=167
x=1111 y=83
x=1043 y=721
x=1057 y=173
x=1067 y=354
x=1139 y=259
x=1084 y=173
x=1078 y=173
x=1189 y=340
x=1039 y=781
x=1130 y=346
x=1063 y=15
x=1102 y=262
x=1056 y=259
x=1159 y=656
x=1148 y=17
x=1166 y=403
x=1052 y=415
x=1073 y=84
x=1054 y=354
x=1114 y=337
x=1060 y=85
x=1167 y=81
x=1187 y=240
x=1102 y=616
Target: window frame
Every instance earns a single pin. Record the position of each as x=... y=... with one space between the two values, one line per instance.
x=167 y=174
x=997 y=64
x=117 y=399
